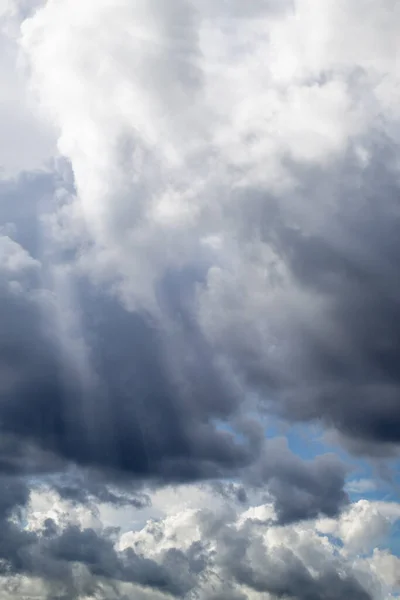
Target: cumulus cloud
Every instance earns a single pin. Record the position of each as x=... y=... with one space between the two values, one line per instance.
x=161 y=434
x=228 y=550
x=214 y=245
x=252 y=163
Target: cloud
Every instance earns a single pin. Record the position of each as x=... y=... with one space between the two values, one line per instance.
x=217 y=243
x=364 y=525
x=98 y=554
x=27 y=140
x=303 y=489
x=263 y=179
x=131 y=421
x=49 y=553
x=361 y=486
x=387 y=566
x=13 y=257
x=256 y=556
x=211 y=550
x=341 y=345
x=88 y=383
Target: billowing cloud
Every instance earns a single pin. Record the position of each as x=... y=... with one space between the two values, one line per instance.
x=231 y=552
x=257 y=169
x=212 y=249
x=130 y=418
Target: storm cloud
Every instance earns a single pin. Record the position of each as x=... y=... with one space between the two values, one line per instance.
x=202 y=248
x=334 y=333
x=131 y=416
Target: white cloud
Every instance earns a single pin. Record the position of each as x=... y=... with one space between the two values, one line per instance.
x=365 y=525
x=165 y=111
x=176 y=526
x=13 y=258
x=45 y=503
x=361 y=486
x=387 y=567
x=27 y=141
x=201 y=516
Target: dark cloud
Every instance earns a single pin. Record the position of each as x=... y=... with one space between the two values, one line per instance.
x=100 y=399
x=137 y=422
x=154 y=404
x=303 y=489
x=135 y=417
x=14 y=541
x=337 y=342
x=137 y=426
x=134 y=420
x=280 y=572
x=98 y=554
x=351 y=368
x=86 y=490
x=285 y=576
x=87 y=486
x=231 y=491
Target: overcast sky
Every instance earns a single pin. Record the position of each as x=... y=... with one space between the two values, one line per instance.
x=199 y=299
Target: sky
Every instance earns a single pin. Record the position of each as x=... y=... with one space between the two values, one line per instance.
x=199 y=300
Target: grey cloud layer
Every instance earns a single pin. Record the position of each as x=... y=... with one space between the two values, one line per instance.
x=337 y=351
x=136 y=413
x=275 y=178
